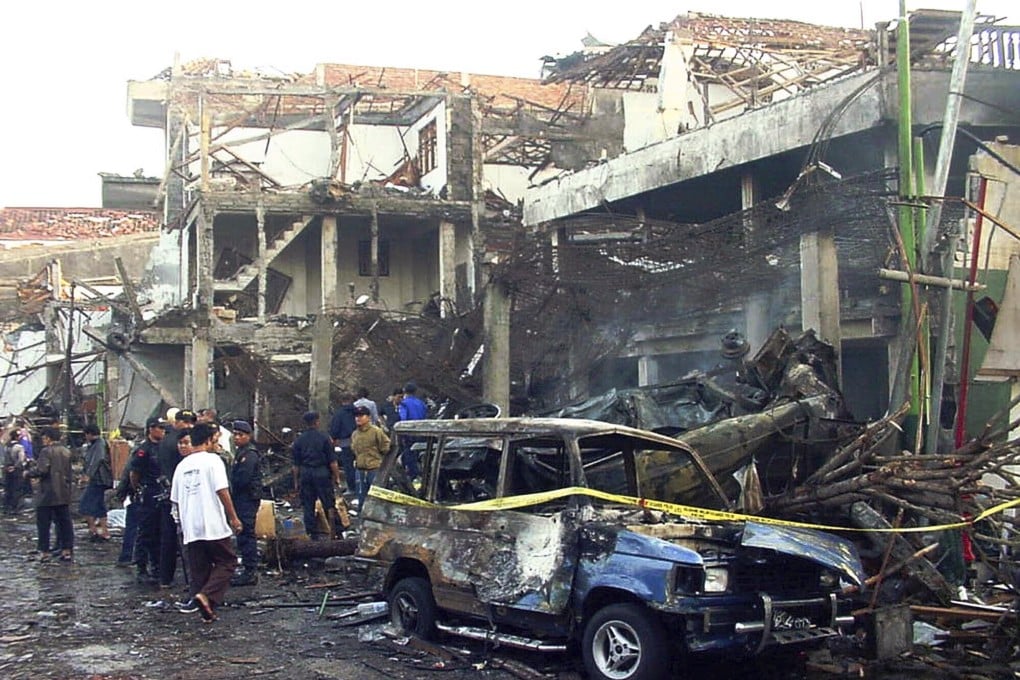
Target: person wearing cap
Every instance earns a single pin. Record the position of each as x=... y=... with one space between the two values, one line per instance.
x=169 y=456
x=246 y=490
x=411 y=408
x=370 y=444
x=143 y=476
x=372 y=407
x=316 y=474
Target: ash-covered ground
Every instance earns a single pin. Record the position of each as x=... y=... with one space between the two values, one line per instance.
x=88 y=619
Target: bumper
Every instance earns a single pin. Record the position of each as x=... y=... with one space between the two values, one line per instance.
x=759 y=623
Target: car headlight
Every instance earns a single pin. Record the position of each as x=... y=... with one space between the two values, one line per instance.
x=717 y=579
x=828 y=579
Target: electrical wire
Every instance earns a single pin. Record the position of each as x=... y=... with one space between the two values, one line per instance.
x=977 y=141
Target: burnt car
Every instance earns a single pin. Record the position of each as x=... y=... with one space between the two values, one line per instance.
x=535 y=533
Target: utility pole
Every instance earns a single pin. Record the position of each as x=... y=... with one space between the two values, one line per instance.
x=68 y=371
x=943 y=266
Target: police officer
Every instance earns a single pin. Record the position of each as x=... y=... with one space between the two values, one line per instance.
x=169 y=457
x=144 y=475
x=316 y=473
x=246 y=490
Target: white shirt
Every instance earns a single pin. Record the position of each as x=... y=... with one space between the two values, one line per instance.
x=197 y=479
x=373 y=410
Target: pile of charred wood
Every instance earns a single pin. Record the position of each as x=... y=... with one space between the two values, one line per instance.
x=961 y=582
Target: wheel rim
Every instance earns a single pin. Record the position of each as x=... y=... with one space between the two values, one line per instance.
x=406 y=611
x=616 y=650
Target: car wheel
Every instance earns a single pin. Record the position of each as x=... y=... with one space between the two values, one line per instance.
x=625 y=642
x=412 y=607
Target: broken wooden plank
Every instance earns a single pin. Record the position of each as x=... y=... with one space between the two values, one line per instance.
x=961 y=613
x=129 y=292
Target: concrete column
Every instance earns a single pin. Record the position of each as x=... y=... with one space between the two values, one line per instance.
x=757 y=325
x=648 y=370
x=55 y=372
x=111 y=392
x=322 y=334
x=322 y=363
x=328 y=298
x=447 y=265
x=177 y=151
x=496 y=368
x=204 y=254
x=188 y=382
x=260 y=224
x=819 y=289
x=200 y=368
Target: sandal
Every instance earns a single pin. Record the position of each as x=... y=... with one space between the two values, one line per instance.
x=205 y=608
x=66 y=557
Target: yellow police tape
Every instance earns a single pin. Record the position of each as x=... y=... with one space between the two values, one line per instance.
x=688 y=511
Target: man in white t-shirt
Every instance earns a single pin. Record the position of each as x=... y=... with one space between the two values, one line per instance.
x=200 y=493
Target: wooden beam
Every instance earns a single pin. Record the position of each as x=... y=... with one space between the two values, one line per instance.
x=100 y=297
x=129 y=292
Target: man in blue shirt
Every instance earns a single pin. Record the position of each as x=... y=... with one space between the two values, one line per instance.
x=411 y=408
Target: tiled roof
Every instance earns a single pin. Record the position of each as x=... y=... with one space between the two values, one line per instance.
x=74 y=223
x=501 y=91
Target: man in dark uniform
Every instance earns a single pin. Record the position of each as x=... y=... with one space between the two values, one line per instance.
x=316 y=474
x=169 y=456
x=246 y=490
x=341 y=427
x=144 y=475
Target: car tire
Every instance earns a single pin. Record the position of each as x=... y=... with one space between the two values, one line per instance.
x=626 y=642
x=412 y=607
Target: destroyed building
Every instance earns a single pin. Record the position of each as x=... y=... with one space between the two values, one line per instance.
x=768 y=200
x=532 y=242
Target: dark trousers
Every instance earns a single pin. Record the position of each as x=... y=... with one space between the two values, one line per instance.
x=127 y=545
x=12 y=489
x=347 y=465
x=148 y=540
x=316 y=486
x=365 y=480
x=409 y=459
x=211 y=565
x=167 y=545
x=59 y=515
x=247 y=545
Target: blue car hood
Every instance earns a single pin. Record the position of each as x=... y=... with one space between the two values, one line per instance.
x=819 y=547
x=632 y=543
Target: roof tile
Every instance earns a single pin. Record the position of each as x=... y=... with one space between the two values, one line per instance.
x=74 y=223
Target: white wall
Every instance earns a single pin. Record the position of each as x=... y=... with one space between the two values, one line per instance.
x=374 y=152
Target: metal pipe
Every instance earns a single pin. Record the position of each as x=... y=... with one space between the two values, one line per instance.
x=961 y=410
x=908 y=361
x=925 y=279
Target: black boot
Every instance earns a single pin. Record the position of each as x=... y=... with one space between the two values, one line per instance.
x=248 y=577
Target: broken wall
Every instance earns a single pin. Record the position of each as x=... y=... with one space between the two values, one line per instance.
x=140 y=400
x=1002 y=200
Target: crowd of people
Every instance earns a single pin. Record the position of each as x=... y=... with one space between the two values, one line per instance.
x=192 y=486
